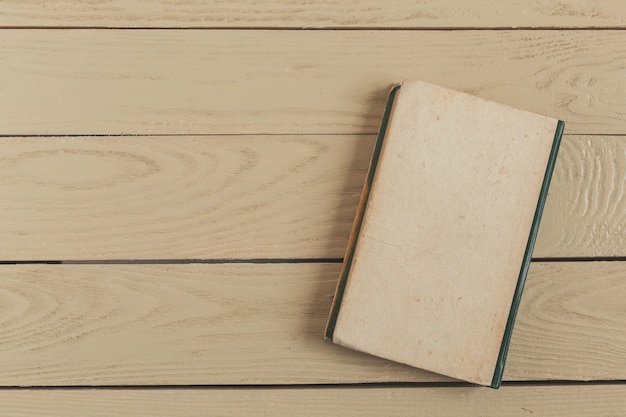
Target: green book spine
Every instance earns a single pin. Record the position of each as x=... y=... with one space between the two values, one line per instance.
x=517 y=295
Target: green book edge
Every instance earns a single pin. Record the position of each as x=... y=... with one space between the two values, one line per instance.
x=517 y=295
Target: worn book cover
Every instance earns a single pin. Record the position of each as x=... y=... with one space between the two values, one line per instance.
x=444 y=232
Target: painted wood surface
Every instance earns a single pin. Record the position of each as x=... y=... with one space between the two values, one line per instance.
x=237 y=193
x=231 y=197
x=586 y=205
x=514 y=401
x=246 y=81
x=263 y=324
x=312 y=14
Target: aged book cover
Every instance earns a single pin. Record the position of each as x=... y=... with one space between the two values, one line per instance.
x=444 y=232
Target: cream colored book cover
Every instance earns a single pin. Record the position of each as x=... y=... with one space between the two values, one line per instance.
x=444 y=232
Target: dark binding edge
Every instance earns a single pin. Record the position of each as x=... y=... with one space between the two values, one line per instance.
x=517 y=295
x=356 y=226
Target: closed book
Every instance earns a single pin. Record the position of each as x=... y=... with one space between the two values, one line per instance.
x=444 y=232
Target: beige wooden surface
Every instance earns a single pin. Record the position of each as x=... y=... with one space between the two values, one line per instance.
x=272 y=81
x=312 y=14
x=253 y=143
x=576 y=401
x=263 y=324
x=242 y=202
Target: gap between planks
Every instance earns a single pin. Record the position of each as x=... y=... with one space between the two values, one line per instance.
x=328 y=28
x=175 y=261
x=279 y=386
x=236 y=135
x=255 y=261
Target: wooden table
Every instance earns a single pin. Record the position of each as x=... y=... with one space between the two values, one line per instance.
x=178 y=182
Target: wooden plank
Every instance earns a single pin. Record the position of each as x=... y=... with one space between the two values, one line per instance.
x=250 y=197
x=562 y=400
x=242 y=81
x=263 y=324
x=585 y=213
x=179 y=197
x=315 y=13
x=559 y=301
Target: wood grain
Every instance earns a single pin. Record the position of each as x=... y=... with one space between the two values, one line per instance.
x=586 y=206
x=250 y=197
x=278 y=196
x=559 y=301
x=316 y=13
x=179 y=197
x=243 y=81
x=263 y=324
x=522 y=401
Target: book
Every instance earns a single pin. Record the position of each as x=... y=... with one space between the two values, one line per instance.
x=444 y=232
